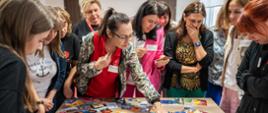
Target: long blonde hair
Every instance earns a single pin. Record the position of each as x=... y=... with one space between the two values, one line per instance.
x=55 y=44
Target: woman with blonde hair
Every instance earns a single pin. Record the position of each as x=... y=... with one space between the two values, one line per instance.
x=215 y=69
x=91 y=10
x=235 y=47
x=71 y=45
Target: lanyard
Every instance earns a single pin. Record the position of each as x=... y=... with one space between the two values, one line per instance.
x=89 y=26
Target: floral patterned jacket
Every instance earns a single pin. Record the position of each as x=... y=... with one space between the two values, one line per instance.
x=128 y=60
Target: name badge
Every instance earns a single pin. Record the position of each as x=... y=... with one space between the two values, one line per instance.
x=245 y=43
x=151 y=47
x=113 y=69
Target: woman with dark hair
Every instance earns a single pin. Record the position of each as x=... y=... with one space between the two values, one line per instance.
x=149 y=43
x=252 y=75
x=104 y=57
x=164 y=16
x=24 y=26
x=191 y=49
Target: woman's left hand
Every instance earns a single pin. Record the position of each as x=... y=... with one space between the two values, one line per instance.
x=157 y=108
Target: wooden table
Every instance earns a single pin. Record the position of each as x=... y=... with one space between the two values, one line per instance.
x=209 y=106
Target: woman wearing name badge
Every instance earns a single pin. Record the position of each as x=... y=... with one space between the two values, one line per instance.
x=104 y=57
x=91 y=10
x=252 y=75
x=149 y=43
x=191 y=49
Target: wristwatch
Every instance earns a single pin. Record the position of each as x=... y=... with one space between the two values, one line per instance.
x=197 y=44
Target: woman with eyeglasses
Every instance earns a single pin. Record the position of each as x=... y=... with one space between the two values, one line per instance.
x=104 y=57
x=149 y=44
x=191 y=49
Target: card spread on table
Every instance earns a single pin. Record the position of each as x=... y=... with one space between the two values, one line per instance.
x=111 y=105
x=200 y=102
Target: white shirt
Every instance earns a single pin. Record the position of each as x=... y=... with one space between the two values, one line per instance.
x=42 y=70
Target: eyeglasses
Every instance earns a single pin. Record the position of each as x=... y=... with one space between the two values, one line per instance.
x=126 y=37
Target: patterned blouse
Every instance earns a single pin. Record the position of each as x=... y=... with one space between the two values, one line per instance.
x=216 y=67
x=129 y=60
x=185 y=54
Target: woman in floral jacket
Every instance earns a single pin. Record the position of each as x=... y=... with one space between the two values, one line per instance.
x=104 y=57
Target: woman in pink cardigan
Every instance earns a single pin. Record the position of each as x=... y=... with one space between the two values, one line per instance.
x=149 y=43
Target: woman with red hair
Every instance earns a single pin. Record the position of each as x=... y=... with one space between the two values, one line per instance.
x=252 y=74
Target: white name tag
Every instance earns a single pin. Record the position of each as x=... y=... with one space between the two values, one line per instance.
x=245 y=43
x=113 y=69
x=151 y=47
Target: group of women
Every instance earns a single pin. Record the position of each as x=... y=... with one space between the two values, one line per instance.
x=43 y=61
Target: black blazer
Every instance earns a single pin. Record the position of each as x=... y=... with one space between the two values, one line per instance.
x=82 y=29
x=252 y=77
x=174 y=66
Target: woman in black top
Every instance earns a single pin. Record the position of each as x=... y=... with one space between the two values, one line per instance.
x=252 y=74
x=71 y=50
x=91 y=10
x=191 y=49
x=24 y=25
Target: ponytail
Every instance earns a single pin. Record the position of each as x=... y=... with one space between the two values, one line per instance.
x=103 y=27
x=111 y=21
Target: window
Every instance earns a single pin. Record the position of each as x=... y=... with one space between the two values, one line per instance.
x=212 y=9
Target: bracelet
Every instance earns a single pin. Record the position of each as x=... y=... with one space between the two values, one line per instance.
x=39 y=102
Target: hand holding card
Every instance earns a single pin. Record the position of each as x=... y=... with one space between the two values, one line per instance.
x=162 y=61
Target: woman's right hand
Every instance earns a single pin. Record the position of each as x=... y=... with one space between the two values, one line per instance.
x=41 y=108
x=48 y=103
x=141 y=52
x=103 y=61
x=198 y=68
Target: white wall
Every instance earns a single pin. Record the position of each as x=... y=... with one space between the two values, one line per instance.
x=181 y=5
x=130 y=7
x=54 y=3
